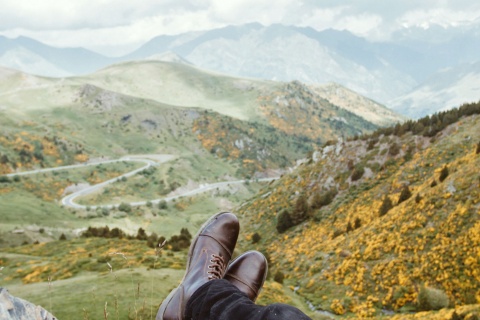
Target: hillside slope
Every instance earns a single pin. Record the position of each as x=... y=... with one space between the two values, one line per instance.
x=185 y=85
x=366 y=224
x=158 y=103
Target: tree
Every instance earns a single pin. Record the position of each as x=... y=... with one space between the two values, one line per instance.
x=62 y=237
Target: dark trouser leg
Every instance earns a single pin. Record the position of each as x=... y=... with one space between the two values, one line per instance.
x=220 y=300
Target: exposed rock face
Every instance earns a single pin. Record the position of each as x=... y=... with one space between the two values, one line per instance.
x=12 y=308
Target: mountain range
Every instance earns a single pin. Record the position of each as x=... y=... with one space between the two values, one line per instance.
x=178 y=105
x=394 y=72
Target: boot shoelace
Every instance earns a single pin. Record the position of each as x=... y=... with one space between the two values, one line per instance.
x=217 y=267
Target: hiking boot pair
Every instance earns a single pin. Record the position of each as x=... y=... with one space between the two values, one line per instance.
x=208 y=259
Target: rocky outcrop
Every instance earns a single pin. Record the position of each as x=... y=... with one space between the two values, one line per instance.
x=12 y=308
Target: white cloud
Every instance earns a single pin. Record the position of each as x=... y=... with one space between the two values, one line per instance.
x=125 y=24
x=441 y=16
x=363 y=24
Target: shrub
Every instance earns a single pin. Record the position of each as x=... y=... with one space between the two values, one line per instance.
x=350 y=165
x=105 y=211
x=62 y=237
x=357 y=173
x=152 y=240
x=181 y=241
x=418 y=198
x=323 y=198
x=371 y=144
x=278 y=277
x=284 y=221
x=431 y=299
x=162 y=205
x=349 y=227
x=256 y=237
x=4 y=179
x=357 y=223
x=394 y=149
x=336 y=233
x=477 y=151
x=301 y=209
x=434 y=183
x=443 y=174
x=386 y=206
x=125 y=207
x=404 y=195
x=141 y=234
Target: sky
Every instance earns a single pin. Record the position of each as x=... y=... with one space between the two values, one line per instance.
x=116 y=27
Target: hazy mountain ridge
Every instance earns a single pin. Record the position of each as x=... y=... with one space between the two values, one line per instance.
x=357 y=257
x=287 y=53
x=66 y=60
x=146 y=100
x=444 y=90
x=383 y=71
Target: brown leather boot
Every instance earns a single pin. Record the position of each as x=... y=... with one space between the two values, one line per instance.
x=209 y=255
x=248 y=273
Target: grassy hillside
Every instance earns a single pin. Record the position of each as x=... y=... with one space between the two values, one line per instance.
x=380 y=222
x=218 y=128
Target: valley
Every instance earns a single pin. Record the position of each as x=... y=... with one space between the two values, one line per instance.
x=96 y=171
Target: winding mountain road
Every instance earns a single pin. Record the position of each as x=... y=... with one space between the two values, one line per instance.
x=68 y=201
